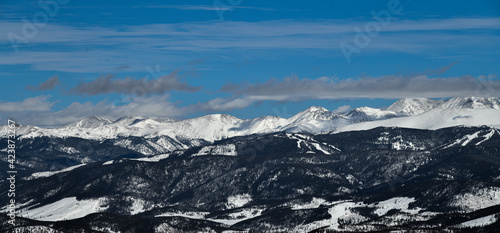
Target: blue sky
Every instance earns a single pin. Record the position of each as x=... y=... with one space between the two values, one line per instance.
x=64 y=60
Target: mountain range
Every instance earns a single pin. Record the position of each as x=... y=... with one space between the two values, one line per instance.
x=413 y=113
x=418 y=165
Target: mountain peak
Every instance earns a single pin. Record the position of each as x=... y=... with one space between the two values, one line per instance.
x=471 y=103
x=420 y=105
x=90 y=122
x=315 y=109
x=218 y=117
x=370 y=114
x=313 y=119
x=413 y=106
x=313 y=113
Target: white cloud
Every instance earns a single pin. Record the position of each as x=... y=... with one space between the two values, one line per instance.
x=343 y=108
x=37 y=110
x=214 y=7
x=170 y=42
x=385 y=87
x=223 y=104
x=33 y=104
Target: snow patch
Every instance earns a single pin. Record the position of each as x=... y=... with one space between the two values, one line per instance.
x=238 y=201
x=399 y=203
x=228 y=150
x=65 y=209
x=469 y=138
x=37 y=175
x=480 y=222
x=187 y=214
x=487 y=136
x=137 y=206
x=337 y=212
x=240 y=216
x=155 y=158
x=318 y=147
x=69 y=150
x=108 y=162
x=311 y=143
x=478 y=199
x=315 y=203
x=402 y=145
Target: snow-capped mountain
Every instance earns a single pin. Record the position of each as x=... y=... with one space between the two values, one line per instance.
x=436 y=114
x=434 y=119
x=413 y=113
x=89 y=139
x=371 y=114
x=421 y=105
x=313 y=113
x=89 y=123
x=470 y=103
x=413 y=106
x=411 y=166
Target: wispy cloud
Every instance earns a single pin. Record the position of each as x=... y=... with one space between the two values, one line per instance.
x=172 y=41
x=49 y=84
x=385 y=87
x=213 y=7
x=123 y=67
x=295 y=89
x=38 y=111
x=131 y=86
x=33 y=104
x=437 y=71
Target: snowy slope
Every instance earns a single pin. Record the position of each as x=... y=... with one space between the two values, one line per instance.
x=37 y=175
x=470 y=103
x=65 y=209
x=435 y=119
x=420 y=105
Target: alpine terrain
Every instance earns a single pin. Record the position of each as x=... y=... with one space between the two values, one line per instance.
x=418 y=165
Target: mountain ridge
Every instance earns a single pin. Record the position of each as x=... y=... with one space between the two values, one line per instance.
x=314 y=119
